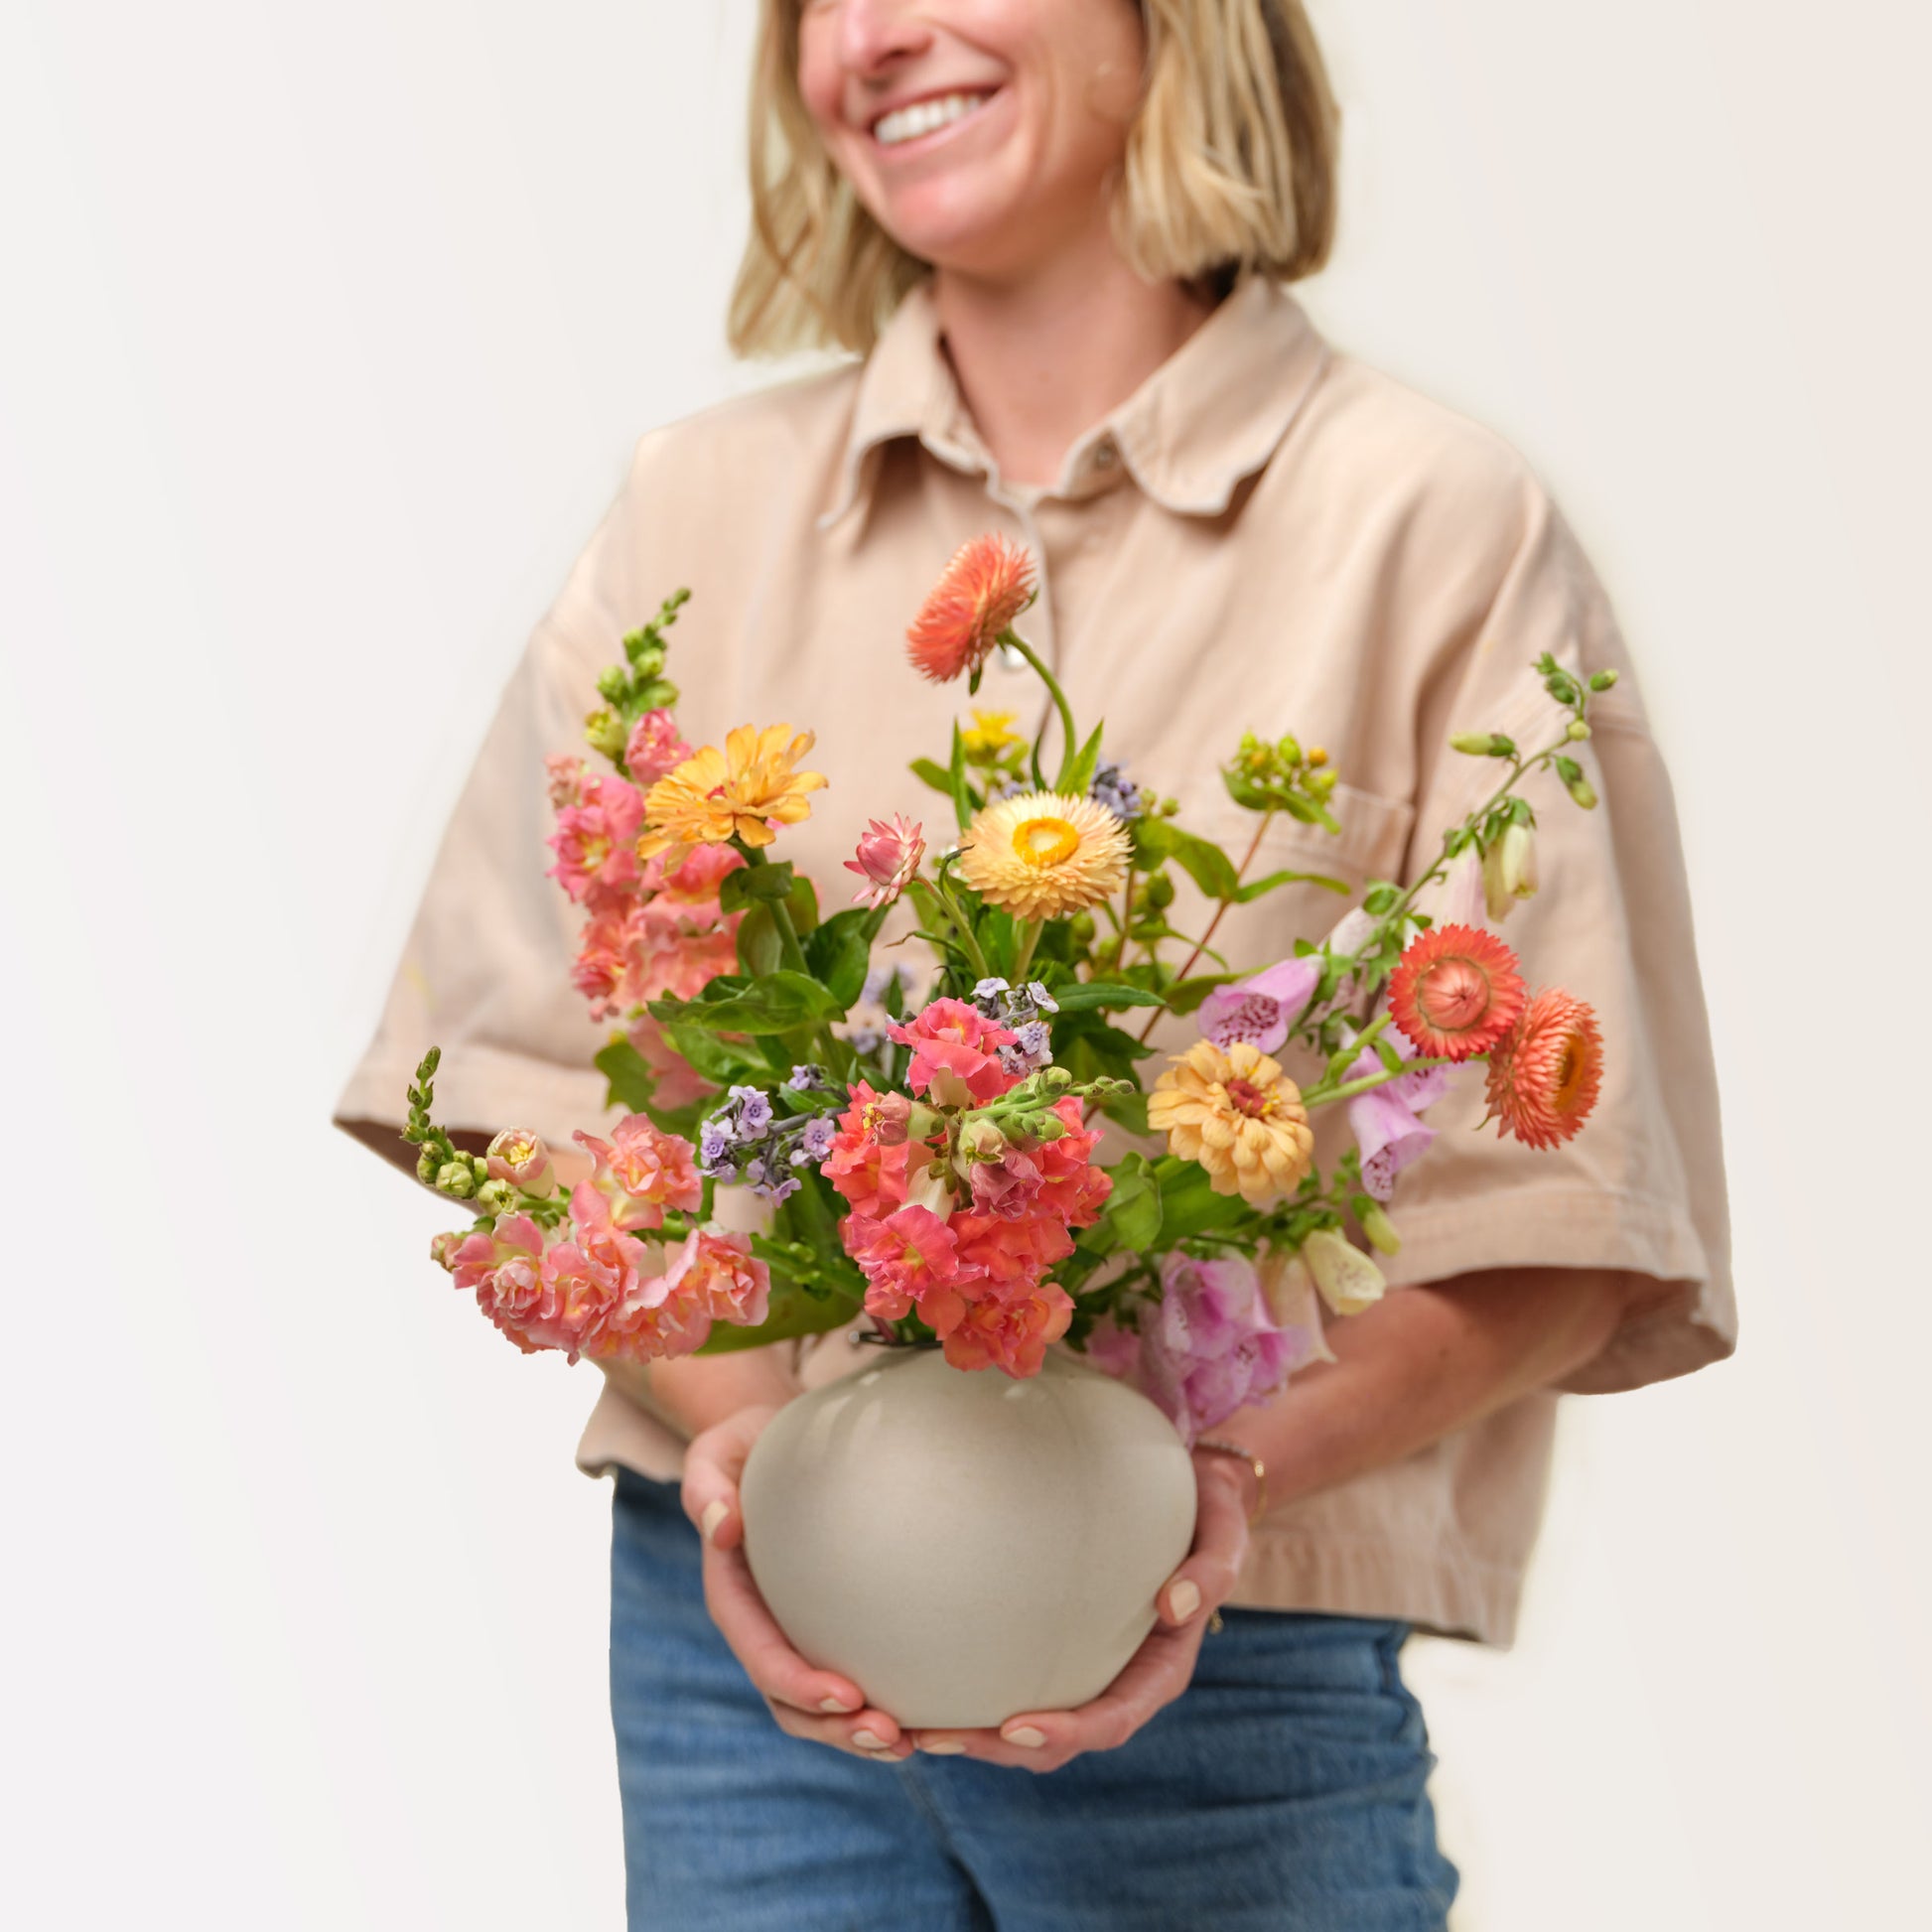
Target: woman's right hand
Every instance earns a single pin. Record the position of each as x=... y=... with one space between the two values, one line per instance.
x=807 y=1702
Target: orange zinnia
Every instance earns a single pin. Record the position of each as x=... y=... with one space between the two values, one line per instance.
x=1545 y=1076
x=1456 y=992
x=979 y=594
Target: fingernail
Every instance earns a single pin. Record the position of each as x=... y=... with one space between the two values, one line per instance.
x=715 y=1513
x=837 y=1705
x=943 y=1747
x=1184 y=1599
x=868 y=1740
x=1026 y=1737
x=885 y=1757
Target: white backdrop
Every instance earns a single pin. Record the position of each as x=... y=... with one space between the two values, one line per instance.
x=325 y=335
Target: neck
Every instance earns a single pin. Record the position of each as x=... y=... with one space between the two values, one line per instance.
x=1040 y=360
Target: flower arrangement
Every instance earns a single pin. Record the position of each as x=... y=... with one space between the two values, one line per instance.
x=927 y=1144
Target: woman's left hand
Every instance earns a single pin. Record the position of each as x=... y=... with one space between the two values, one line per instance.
x=1163 y=1667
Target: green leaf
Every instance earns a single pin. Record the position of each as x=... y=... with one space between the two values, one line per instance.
x=802 y=901
x=1253 y=888
x=1206 y=865
x=937 y=776
x=1076 y=776
x=774 y=1002
x=1128 y=1110
x=1134 y=1207
x=1186 y=996
x=630 y=1079
x=838 y=952
x=1084 y=994
x=720 y=1060
x=760 y=949
x=793 y=1311
x=1189 y=1202
x=744 y=886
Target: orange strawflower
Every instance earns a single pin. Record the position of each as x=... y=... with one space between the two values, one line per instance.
x=1456 y=992
x=1545 y=1076
x=979 y=594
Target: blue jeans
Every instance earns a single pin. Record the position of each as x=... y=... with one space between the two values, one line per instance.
x=1285 y=1789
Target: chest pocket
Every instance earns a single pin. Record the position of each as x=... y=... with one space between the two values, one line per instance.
x=1372 y=843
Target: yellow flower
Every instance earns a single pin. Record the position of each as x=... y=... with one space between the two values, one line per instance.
x=1044 y=855
x=714 y=795
x=988 y=734
x=1239 y=1115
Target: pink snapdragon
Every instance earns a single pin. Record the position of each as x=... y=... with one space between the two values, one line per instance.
x=1207 y=1347
x=888 y=857
x=1260 y=1009
x=909 y=1260
x=519 y=1157
x=716 y=1277
x=653 y=748
x=868 y=1160
x=640 y=1171
x=1009 y=1332
x=954 y=1055
x=564 y=780
x=595 y=839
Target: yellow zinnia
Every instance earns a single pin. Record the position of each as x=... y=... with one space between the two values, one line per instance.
x=1239 y=1115
x=715 y=795
x=1044 y=855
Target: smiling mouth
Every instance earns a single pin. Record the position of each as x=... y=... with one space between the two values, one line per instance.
x=923 y=117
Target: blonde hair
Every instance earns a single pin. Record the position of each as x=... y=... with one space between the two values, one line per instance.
x=1230 y=166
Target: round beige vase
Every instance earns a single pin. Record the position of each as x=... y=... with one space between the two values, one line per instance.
x=964 y=1545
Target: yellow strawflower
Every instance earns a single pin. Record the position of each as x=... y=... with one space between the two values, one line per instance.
x=1044 y=855
x=988 y=734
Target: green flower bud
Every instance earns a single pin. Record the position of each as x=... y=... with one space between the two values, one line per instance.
x=1082 y=930
x=496 y=1196
x=1581 y=790
x=604 y=732
x=1601 y=680
x=1160 y=890
x=1289 y=751
x=426 y=1162
x=1054 y=1079
x=1377 y=1226
x=612 y=683
x=1578 y=729
x=453 y=1178
x=1474 y=744
x=1321 y=783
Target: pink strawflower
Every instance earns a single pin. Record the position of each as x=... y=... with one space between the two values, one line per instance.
x=653 y=748
x=954 y=1048
x=889 y=856
x=982 y=589
x=1262 y=1009
x=594 y=840
x=1207 y=1347
x=640 y=1171
x=908 y=1259
x=1010 y=1333
x=868 y=1170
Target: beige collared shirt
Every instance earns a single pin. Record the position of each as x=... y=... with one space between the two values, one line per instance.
x=1266 y=535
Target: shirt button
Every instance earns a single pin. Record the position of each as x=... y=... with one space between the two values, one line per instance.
x=1105 y=456
x=1010 y=659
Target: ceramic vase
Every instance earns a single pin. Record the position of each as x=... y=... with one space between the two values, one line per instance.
x=966 y=1546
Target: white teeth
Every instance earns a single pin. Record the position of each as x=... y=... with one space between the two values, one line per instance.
x=908 y=123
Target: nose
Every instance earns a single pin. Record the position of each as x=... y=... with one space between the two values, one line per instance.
x=875 y=34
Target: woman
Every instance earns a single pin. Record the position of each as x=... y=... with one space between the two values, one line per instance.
x=1057 y=232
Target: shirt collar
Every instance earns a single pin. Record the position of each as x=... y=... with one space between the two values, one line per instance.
x=1210 y=415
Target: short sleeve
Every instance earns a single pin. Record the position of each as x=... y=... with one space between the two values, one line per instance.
x=484 y=973
x=1642 y=1187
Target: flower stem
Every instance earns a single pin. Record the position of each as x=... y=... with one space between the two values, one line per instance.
x=1013 y=639
x=1027 y=945
x=1201 y=944
x=1322 y=1096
